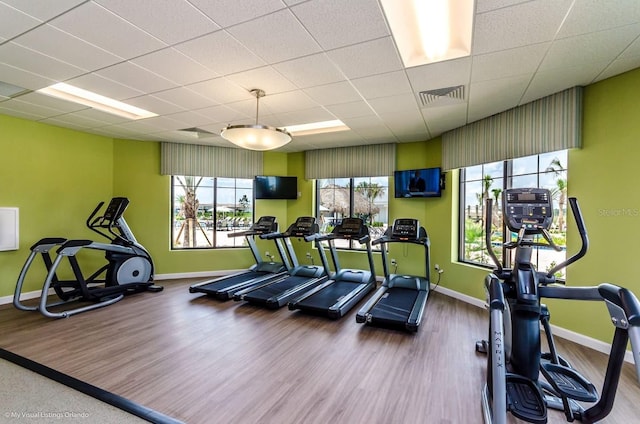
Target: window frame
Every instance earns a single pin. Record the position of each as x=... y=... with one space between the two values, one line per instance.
x=214 y=233
x=507 y=182
x=352 y=187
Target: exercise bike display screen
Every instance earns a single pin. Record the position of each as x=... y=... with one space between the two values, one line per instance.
x=528 y=208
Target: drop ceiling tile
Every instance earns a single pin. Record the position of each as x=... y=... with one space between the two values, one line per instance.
x=483 y=6
x=174 y=66
x=75 y=121
x=440 y=75
x=336 y=24
x=221 y=53
x=184 y=98
x=265 y=78
x=220 y=90
x=619 y=66
x=99 y=116
x=383 y=85
x=8 y=109
x=351 y=110
x=104 y=86
x=316 y=114
x=445 y=118
x=132 y=75
x=545 y=83
x=487 y=98
x=37 y=63
x=286 y=102
x=369 y=58
x=595 y=15
x=331 y=94
x=401 y=103
x=150 y=125
x=96 y=25
x=602 y=46
x=13 y=22
x=231 y=12
x=405 y=123
x=172 y=21
x=62 y=106
x=190 y=119
x=309 y=71
x=221 y=115
x=43 y=10
x=289 y=41
x=518 y=25
x=508 y=63
x=154 y=104
x=22 y=78
x=31 y=108
x=47 y=40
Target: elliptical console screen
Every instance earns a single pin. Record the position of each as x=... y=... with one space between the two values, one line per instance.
x=405 y=229
x=266 y=224
x=528 y=208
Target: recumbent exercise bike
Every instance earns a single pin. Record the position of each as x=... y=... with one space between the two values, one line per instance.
x=515 y=361
x=129 y=268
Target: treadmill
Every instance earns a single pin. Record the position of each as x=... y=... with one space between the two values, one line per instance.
x=223 y=288
x=336 y=296
x=400 y=301
x=300 y=278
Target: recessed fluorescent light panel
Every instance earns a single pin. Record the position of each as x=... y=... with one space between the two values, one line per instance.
x=317 y=127
x=429 y=31
x=96 y=101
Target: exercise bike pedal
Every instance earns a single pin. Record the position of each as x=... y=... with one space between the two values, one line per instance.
x=568 y=382
x=525 y=400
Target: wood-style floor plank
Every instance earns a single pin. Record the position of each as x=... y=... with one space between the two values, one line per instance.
x=201 y=361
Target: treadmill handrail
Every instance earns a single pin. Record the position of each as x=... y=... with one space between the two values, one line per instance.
x=423 y=241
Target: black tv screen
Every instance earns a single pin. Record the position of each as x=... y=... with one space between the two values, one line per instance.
x=418 y=183
x=270 y=187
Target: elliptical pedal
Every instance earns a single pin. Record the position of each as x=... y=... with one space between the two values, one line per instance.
x=568 y=382
x=525 y=400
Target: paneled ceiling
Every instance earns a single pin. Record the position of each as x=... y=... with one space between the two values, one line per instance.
x=193 y=62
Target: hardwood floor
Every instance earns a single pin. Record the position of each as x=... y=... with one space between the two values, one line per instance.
x=202 y=361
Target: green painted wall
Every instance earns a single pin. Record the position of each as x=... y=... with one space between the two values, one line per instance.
x=56 y=177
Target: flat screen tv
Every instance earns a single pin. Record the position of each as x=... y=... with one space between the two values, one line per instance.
x=418 y=183
x=271 y=187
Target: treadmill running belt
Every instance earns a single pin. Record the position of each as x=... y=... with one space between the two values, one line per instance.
x=330 y=295
x=275 y=289
x=395 y=306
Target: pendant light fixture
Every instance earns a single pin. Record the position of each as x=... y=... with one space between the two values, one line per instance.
x=256 y=137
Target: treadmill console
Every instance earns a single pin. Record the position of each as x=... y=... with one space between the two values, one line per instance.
x=304 y=226
x=350 y=228
x=405 y=229
x=528 y=208
x=266 y=224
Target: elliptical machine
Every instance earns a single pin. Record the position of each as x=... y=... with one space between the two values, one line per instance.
x=514 y=353
x=129 y=267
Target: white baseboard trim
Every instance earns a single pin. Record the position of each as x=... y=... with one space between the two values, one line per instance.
x=581 y=339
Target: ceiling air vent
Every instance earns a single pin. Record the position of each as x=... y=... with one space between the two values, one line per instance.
x=196 y=132
x=442 y=96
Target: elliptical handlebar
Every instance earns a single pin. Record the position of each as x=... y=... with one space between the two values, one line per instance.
x=577 y=215
x=487 y=235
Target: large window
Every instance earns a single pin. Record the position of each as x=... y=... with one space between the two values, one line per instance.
x=206 y=210
x=481 y=182
x=366 y=198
